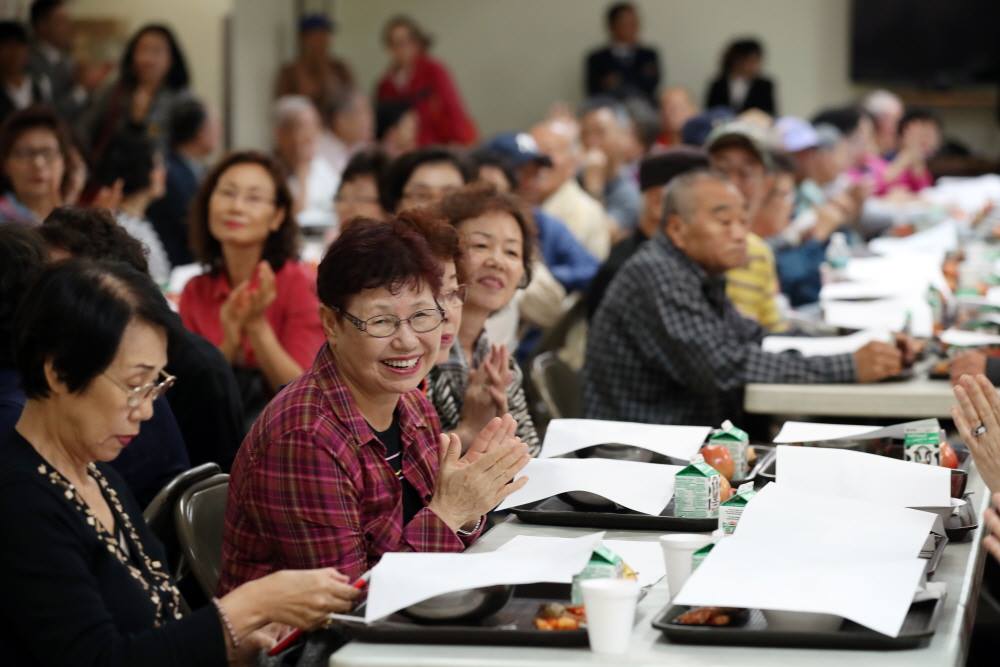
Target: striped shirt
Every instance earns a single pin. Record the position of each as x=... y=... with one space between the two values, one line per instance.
x=448 y=382
x=311 y=486
x=753 y=287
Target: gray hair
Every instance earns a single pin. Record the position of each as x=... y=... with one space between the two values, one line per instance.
x=880 y=102
x=679 y=199
x=290 y=108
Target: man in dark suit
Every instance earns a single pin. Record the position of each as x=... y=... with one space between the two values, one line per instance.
x=193 y=136
x=50 y=59
x=623 y=68
x=18 y=89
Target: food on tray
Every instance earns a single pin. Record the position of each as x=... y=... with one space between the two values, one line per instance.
x=725 y=490
x=719 y=458
x=949 y=459
x=556 y=616
x=717 y=616
x=751 y=456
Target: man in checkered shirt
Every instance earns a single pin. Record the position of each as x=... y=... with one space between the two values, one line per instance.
x=666 y=346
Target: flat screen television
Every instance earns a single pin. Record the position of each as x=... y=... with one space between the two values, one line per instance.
x=925 y=43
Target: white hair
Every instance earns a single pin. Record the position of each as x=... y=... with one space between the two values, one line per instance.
x=291 y=108
x=881 y=102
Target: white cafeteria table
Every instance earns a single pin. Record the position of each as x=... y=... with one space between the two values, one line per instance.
x=960 y=567
x=915 y=398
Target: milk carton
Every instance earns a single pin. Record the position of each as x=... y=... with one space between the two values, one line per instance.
x=922 y=442
x=736 y=441
x=604 y=564
x=731 y=510
x=696 y=490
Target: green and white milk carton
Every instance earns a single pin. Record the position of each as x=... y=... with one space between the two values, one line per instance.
x=697 y=490
x=698 y=557
x=731 y=510
x=922 y=442
x=736 y=441
x=603 y=564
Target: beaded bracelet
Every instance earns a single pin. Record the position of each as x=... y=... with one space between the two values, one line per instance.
x=466 y=533
x=226 y=623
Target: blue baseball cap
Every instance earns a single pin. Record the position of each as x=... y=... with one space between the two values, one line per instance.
x=695 y=132
x=519 y=148
x=316 y=21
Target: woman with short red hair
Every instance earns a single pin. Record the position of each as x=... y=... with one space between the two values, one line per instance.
x=348 y=462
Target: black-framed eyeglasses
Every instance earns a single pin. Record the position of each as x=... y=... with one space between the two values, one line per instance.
x=383 y=326
x=455 y=297
x=149 y=391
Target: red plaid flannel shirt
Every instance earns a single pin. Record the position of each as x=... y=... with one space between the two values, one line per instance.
x=310 y=486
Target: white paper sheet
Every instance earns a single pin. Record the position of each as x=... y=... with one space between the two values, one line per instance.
x=961 y=338
x=861 y=476
x=835 y=524
x=935 y=241
x=879 y=314
x=876 y=594
x=811 y=346
x=402 y=579
x=796 y=550
x=643 y=556
x=569 y=435
x=818 y=432
x=643 y=487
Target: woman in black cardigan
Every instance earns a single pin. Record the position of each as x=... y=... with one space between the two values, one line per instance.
x=740 y=85
x=83 y=581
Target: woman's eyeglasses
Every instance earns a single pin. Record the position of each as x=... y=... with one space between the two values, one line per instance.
x=149 y=391
x=383 y=326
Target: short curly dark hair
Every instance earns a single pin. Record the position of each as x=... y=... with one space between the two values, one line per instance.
x=280 y=247
x=92 y=233
x=376 y=253
x=22 y=258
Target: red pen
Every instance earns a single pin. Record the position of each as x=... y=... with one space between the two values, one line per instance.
x=296 y=635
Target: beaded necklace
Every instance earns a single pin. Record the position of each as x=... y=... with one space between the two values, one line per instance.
x=162 y=593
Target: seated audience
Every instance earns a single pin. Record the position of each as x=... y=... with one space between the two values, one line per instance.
x=358 y=194
x=740 y=84
x=498 y=239
x=425 y=83
x=655 y=172
x=557 y=192
x=35 y=159
x=314 y=73
x=193 y=135
x=505 y=157
x=736 y=151
x=132 y=167
x=421 y=178
x=19 y=87
x=666 y=346
x=605 y=130
x=623 y=68
x=887 y=109
x=380 y=475
x=676 y=109
x=396 y=127
x=85 y=581
x=152 y=76
x=257 y=303
x=311 y=180
x=349 y=127
x=209 y=435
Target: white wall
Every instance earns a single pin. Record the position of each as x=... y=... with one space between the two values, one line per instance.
x=513 y=58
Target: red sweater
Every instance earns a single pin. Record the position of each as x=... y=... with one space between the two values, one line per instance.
x=441 y=113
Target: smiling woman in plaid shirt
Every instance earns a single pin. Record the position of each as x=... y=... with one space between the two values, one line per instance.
x=348 y=461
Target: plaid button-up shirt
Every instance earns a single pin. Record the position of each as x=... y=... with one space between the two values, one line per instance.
x=667 y=347
x=311 y=488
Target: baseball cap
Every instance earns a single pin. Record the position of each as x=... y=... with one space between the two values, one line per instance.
x=738 y=133
x=793 y=134
x=316 y=21
x=661 y=168
x=697 y=129
x=519 y=148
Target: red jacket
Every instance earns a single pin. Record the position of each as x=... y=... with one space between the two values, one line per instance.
x=441 y=113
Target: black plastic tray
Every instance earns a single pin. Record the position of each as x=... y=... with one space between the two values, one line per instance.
x=511 y=626
x=918 y=627
x=961 y=525
x=557 y=512
x=940 y=542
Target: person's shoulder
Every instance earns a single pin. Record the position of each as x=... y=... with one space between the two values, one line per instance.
x=645 y=51
x=599 y=53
